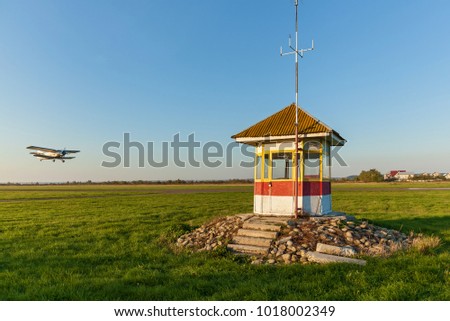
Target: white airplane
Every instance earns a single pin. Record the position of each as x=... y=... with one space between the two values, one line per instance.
x=44 y=153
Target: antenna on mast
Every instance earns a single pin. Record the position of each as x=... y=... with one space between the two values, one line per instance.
x=298 y=53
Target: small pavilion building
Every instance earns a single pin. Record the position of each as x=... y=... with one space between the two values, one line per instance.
x=275 y=163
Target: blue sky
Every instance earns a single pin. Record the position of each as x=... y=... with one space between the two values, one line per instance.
x=78 y=74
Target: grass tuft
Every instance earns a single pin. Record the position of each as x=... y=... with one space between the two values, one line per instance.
x=426 y=243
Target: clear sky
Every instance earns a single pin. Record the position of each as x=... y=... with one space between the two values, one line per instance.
x=78 y=74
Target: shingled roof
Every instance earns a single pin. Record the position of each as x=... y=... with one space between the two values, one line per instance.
x=282 y=123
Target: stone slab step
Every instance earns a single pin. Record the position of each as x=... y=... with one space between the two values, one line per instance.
x=252 y=240
x=335 y=250
x=257 y=233
x=249 y=249
x=327 y=258
x=261 y=226
x=271 y=219
x=246 y=216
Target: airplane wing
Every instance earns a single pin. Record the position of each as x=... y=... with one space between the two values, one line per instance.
x=71 y=151
x=44 y=149
x=42 y=156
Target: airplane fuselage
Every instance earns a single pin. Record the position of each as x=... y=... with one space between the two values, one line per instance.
x=57 y=154
x=48 y=155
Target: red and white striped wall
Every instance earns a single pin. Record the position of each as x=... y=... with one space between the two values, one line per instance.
x=276 y=197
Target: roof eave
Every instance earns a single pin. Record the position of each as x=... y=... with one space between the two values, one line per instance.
x=336 y=139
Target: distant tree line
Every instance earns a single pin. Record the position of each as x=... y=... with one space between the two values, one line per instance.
x=143 y=182
x=176 y=182
x=372 y=175
x=351 y=178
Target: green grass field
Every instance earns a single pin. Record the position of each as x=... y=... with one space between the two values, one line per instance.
x=113 y=243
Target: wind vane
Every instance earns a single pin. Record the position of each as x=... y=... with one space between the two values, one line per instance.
x=298 y=53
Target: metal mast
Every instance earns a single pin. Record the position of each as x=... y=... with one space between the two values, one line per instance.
x=298 y=53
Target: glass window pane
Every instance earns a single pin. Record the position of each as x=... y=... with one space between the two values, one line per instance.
x=281 y=165
x=312 y=166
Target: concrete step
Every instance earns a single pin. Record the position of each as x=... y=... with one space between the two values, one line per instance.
x=261 y=226
x=257 y=233
x=248 y=249
x=335 y=250
x=252 y=241
x=245 y=217
x=327 y=258
x=270 y=219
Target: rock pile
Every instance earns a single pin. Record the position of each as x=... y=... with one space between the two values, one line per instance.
x=303 y=236
x=299 y=237
x=209 y=236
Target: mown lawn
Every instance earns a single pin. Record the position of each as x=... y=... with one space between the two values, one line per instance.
x=113 y=243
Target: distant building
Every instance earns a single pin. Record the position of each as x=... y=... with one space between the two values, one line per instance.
x=392 y=174
x=436 y=174
x=404 y=176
